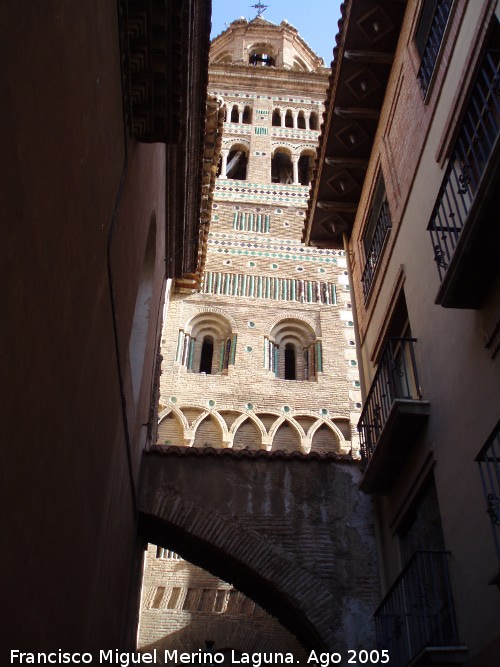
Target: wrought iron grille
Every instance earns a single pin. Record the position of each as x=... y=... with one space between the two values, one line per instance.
x=382 y=228
x=433 y=43
x=489 y=467
x=396 y=377
x=418 y=610
x=468 y=163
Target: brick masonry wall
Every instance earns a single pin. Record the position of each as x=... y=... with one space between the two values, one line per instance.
x=245 y=406
x=295 y=534
x=183 y=606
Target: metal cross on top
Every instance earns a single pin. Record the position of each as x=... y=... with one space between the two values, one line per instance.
x=261 y=8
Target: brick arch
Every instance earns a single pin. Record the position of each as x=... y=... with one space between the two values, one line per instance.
x=274 y=413
x=333 y=427
x=229 y=143
x=234 y=552
x=341 y=443
x=179 y=417
x=178 y=412
x=300 y=329
x=242 y=418
x=307 y=149
x=247 y=435
x=284 y=145
x=218 y=418
x=291 y=423
x=295 y=316
x=205 y=312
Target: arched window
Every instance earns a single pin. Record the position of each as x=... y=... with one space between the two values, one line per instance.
x=288 y=118
x=313 y=121
x=301 y=121
x=281 y=166
x=306 y=165
x=276 y=121
x=207 y=344
x=237 y=162
x=290 y=365
x=234 y=114
x=262 y=55
x=207 y=353
x=292 y=351
x=247 y=115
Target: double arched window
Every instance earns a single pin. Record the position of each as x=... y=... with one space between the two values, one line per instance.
x=207 y=345
x=239 y=114
x=292 y=351
x=290 y=168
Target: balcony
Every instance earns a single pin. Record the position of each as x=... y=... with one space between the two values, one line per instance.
x=416 y=621
x=392 y=417
x=383 y=227
x=489 y=466
x=463 y=227
x=433 y=43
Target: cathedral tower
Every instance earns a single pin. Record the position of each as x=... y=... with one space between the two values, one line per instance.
x=262 y=357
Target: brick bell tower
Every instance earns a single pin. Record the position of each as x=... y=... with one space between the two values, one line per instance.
x=263 y=356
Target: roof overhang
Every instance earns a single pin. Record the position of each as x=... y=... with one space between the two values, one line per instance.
x=366 y=43
x=214 y=125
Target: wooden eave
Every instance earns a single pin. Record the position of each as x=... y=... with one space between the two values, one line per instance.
x=214 y=124
x=366 y=43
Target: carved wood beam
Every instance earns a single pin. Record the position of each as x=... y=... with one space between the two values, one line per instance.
x=347 y=162
x=343 y=207
x=376 y=57
x=357 y=112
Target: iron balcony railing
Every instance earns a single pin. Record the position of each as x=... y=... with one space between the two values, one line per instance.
x=418 y=611
x=382 y=230
x=489 y=466
x=433 y=43
x=468 y=163
x=396 y=377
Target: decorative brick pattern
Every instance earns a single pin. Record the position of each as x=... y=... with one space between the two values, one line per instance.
x=272 y=291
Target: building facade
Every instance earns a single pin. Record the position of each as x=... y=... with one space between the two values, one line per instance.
x=95 y=221
x=262 y=358
x=270 y=310
x=423 y=247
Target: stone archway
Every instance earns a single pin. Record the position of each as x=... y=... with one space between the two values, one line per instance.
x=276 y=526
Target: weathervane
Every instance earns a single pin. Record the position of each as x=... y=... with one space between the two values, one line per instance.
x=260 y=7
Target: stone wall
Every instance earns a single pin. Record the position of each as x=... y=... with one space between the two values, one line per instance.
x=184 y=606
x=293 y=532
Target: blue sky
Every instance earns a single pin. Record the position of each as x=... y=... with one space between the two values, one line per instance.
x=315 y=20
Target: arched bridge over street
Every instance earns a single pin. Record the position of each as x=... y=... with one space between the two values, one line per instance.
x=290 y=530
